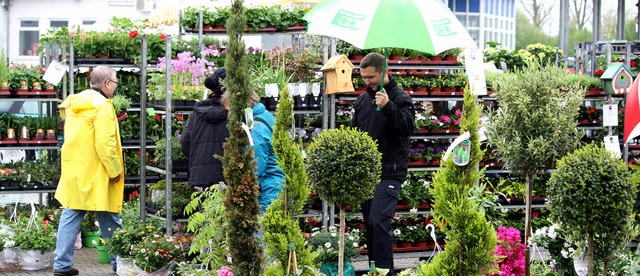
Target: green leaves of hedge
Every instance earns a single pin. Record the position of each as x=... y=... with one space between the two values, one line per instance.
x=343 y=166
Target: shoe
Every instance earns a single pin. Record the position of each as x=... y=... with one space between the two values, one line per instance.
x=72 y=271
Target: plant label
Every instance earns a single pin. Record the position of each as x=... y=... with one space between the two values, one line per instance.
x=315 y=89
x=151 y=111
x=54 y=72
x=612 y=144
x=303 y=89
x=293 y=89
x=610 y=115
x=475 y=71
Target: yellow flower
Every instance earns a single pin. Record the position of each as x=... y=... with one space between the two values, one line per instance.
x=541 y=55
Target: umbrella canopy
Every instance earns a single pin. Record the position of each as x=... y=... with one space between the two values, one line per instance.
x=424 y=25
x=632 y=113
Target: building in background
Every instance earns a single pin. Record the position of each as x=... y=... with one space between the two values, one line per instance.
x=487 y=20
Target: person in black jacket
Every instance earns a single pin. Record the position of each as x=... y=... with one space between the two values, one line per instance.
x=204 y=135
x=390 y=127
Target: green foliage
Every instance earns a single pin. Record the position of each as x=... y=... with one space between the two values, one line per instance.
x=4 y=67
x=535 y=124
x=325 y=243
x=470 y=238
x=131 y=233
x=208 y=226
x=280 y=222
x=241 y=199
x=576 y=194
x=156 y=251
x=34 y=235
x=344 y=166
x=120 y=102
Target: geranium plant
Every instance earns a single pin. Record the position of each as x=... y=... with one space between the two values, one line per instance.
x=156 y=251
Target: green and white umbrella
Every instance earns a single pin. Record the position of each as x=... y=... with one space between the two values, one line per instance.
x=424 y=25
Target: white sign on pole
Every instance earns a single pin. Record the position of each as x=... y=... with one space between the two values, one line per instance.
x=475 y=71
x=55 y=72
x=610 y=115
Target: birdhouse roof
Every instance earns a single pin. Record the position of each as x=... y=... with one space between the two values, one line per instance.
x=613 y=70
x=335 y=62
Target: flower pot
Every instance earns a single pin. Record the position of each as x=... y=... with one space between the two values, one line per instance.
x=451 y=58
x=122 y=116
x=4 y=85
x=435 y=90
x=24 y=133
x=580 y=264
x=103 y=255
x=357 y=57
x=51 y=134
x=406 y=244
x=435 y=58
x=11 y=133
x=421 y=244
x=435 y=161
x=40 y=134
x=24 y=86
x=90 y=239
x=36 y=86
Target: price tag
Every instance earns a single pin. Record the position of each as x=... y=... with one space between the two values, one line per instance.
x=610 y=115
x=612 y=144
x=151 y=111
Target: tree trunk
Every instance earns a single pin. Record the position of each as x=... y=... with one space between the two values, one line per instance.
x=590 y=247
x=341 y=243
x=527 y=227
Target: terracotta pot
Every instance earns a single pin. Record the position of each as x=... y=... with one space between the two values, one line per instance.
x=357 y=57
x=435 y=161
x=422 y=244
x=420 y=89
x=435 y=58
x=449 y=89
x=436 y=89
x=406 y=244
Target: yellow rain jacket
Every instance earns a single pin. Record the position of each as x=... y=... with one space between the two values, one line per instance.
x=91 y=154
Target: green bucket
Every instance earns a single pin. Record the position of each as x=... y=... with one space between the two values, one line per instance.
x=90 y=239
x=331 y=269
x=103 y=255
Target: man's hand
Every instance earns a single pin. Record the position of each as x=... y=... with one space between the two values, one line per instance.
x=382 y=98
x=115 y=179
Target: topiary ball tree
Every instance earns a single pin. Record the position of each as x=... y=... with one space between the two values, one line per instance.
x=593 y=195
x=344 y=166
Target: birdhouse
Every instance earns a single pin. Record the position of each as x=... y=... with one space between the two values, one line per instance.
x=338 y=71
x=617 y=79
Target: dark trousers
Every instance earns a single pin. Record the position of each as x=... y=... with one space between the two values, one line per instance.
x=377 y=214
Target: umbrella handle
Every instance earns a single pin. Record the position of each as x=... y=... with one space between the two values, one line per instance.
x=384 y=68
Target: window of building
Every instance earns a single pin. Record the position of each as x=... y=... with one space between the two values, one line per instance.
x=58 y=23
x=475 y=34
x=461 y=5
x=462 y=18
x=474 y=5
x=474 y=21
x=28 y=37
x=88 y=22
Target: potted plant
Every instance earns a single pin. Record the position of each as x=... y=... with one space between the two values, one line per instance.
x=120 y=104
x=344 y=167
x=577 y=198
x=327 y=243
x=34 y=241
x=90 y=230
x=155 y=251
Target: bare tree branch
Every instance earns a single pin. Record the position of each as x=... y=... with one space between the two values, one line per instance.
x=581 y=13
x=538 y=10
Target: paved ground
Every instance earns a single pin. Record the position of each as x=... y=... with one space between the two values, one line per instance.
x=86 y=260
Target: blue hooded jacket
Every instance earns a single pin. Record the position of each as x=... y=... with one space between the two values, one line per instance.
x=270 y=176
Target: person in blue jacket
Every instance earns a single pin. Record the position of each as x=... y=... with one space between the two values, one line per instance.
x=270 y=176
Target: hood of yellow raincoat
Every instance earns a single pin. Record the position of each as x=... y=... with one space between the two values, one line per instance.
x=91 y=154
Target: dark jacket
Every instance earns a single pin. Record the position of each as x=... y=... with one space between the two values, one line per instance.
x=203 y=137
x=390 y=127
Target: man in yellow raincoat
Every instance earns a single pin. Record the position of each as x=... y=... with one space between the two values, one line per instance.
x=92 y=168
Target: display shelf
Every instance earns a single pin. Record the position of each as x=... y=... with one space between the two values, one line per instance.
x=182 y=220
x=422 y=169
x=592 y=128
x=29 y=147
x=52 y=99
x=45 y=189
x=433 y=136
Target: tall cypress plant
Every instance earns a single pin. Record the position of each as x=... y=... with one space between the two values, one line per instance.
x=241 y=199
x=470 y=238
x=280 y=222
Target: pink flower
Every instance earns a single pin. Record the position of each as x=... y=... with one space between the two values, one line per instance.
x=224 y=271
x=445 y=118
x=458 y=112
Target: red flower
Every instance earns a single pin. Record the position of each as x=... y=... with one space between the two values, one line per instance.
x=598 y=72
x=633 y=63
x=138 y=152
x=591 y=110
x=179 y=117
x=163 y=37
x=133 y=34
x=536 y=215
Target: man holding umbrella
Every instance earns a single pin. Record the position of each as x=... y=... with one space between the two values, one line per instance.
x=387 y=115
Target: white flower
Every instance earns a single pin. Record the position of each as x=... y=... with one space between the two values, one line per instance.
x=397 y=232
x=355 y=244
x=9 y=243
x=413 y=210
x=146 y=258
x=96 y=223
x=364 y=246
x=327 y=245
x=143 y=250
x=350 y=237
x=333 y=234
x=157 y=253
